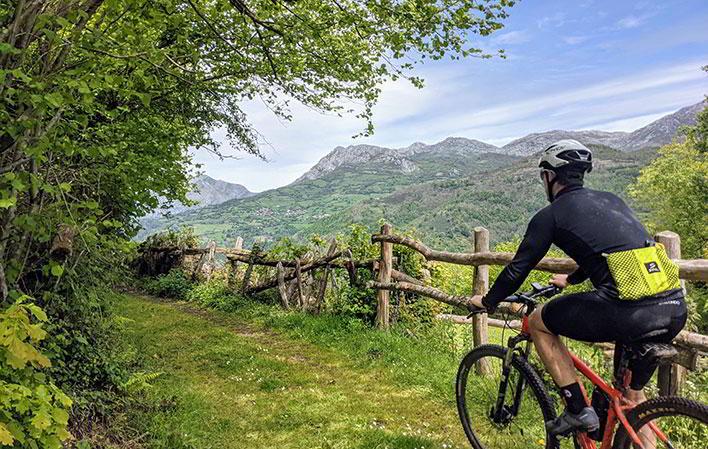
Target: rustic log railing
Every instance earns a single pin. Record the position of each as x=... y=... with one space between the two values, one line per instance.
x=671 y=376
x=290 y=276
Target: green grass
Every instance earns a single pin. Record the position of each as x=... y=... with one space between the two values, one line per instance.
x=255 y=376
x=230 y=382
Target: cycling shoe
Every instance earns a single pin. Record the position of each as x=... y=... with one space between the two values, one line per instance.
x=566 y=423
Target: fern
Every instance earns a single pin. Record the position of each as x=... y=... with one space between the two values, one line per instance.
x=139 y=382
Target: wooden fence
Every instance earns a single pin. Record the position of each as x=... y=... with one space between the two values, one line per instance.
x=298 y=287
x=671 y=376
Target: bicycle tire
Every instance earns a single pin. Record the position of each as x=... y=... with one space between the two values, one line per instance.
x=531 y=377
x=662 y=407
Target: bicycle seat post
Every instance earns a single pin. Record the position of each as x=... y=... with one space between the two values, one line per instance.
x=623 y=375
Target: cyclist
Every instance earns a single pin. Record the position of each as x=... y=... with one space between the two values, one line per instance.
x=614 y=251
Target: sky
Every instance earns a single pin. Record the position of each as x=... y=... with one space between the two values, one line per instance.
x=608 y=65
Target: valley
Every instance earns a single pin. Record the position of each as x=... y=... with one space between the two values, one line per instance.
x=441 y=191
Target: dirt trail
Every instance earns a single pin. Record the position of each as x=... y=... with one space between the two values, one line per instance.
x=238 y=386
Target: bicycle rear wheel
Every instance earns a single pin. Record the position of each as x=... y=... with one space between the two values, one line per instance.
x=683 y=421
x=486 y=425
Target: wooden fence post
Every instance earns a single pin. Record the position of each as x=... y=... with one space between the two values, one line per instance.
x=233 y=265
x=282 y=289
x=210 y=264
x=382 y=296
x=298 y=279
x=249 y=269
x=480 y=285
x=671 y=377
x=325 y=276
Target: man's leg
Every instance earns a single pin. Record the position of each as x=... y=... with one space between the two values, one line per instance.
x=645 y=433
x=553 y=353
x=557 y=360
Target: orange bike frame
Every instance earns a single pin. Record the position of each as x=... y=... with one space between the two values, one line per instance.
x=619 y=404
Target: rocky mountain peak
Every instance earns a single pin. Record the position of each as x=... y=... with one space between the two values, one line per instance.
x=655 y=134
x=662 y=131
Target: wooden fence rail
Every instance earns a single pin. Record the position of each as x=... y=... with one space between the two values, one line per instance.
x=690 y=270
x=287 y=277
x=671 y=376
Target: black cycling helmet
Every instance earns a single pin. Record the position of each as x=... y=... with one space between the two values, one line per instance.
x=567 y=154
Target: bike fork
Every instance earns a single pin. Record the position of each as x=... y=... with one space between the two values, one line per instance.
x=521 y=384
x=501 y=413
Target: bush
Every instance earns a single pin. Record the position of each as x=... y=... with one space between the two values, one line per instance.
x=213 y=293
x=181 y=238
x=34 y=412
x=174 y=284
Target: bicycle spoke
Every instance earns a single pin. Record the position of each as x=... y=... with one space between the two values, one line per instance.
x=526 y=429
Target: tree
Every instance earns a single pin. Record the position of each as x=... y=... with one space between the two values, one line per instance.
x=674 y=189
x=100 y=101
x=111 y=93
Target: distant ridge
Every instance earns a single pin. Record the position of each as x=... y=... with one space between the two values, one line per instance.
x=442 y=190
x=656 y=134
x=401 y=157
x=208 y=192
x=653 y=135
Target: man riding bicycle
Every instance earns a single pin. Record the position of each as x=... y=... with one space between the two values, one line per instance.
x=637 y=296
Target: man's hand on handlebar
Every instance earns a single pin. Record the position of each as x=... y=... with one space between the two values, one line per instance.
x=477 y=301
x=559 y=280
x=475 y=305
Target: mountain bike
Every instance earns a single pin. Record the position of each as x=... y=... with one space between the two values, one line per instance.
x=503 y=402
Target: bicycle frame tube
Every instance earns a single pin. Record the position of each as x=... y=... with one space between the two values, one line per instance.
x=615 y=413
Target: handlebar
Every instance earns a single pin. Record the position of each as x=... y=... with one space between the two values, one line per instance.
x=526 y=298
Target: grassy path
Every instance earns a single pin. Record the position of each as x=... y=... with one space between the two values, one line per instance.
x=230 y=384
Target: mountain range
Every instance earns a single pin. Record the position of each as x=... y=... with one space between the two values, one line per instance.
x=206 y=191
x=442 y=190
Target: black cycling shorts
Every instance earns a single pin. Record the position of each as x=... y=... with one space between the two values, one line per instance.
x=590 y=316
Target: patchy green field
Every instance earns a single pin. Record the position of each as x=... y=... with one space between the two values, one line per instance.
x=228 y=384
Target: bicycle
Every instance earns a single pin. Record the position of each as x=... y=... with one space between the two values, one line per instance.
x=507 y=420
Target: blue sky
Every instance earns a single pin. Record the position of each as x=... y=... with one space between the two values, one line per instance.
x=610 y=65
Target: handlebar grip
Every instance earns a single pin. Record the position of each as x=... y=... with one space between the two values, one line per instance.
x=476 y=310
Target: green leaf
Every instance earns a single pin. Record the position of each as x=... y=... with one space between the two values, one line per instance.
x=57 y=270
x=145 y=99
x=6 y=438
x=55 y=99
x=8 y=202
x=7 y=48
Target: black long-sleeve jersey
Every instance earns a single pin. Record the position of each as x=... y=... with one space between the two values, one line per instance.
x=584 y=224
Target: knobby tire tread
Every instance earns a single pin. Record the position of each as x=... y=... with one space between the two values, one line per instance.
x=657 y=408
x=523 y=367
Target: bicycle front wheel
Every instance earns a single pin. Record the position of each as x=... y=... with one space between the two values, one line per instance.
x=498 y=417
x=683 y=424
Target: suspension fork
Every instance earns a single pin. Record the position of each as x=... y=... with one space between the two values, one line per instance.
x=521 y=385
x=500 y=413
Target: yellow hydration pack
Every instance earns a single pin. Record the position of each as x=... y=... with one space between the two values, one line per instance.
x=643 y=272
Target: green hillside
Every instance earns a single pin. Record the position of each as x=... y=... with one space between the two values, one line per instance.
x=444 y=198
x=309 y=206
x=446 y=212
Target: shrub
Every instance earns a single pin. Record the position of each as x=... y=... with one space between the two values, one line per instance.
x=182 y=238
x=213 y=293
x=174 y=284
x=34 y=412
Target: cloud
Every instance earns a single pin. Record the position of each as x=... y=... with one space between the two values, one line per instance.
x=575 y=40
x=512 y=38
x=456 y=103
x=630 y=21
x=555 y=20
x=612 y=100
